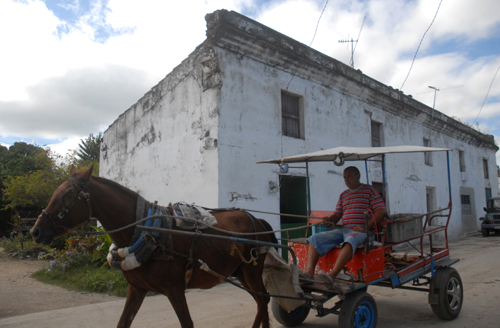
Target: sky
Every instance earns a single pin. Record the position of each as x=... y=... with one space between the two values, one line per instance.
x=69 y=68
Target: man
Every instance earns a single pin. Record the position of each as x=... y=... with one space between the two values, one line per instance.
x=350 y=211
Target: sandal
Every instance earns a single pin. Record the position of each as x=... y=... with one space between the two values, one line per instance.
x=327 y=280
x=305 y=278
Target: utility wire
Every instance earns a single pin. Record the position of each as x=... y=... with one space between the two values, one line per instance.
x=357 y=39
x=414 y=57
x=487 y=93
x=314 y=36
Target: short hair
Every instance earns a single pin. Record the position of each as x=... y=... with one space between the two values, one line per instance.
x=354 y=169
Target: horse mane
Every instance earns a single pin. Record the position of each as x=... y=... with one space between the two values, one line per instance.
x=115 y=185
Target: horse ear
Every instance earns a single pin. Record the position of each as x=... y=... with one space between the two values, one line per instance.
x=72 y=170
x=85 y=175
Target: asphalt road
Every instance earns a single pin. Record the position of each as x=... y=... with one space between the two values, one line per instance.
x=227 y=306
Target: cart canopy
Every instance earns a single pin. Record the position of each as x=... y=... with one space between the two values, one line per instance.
x=350 y=154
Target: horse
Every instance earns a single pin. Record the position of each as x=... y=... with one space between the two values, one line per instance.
x=83 y=196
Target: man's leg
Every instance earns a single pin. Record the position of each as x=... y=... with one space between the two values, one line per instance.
x=312 y=260
x=344 y=257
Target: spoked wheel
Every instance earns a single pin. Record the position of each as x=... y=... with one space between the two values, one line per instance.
x=448 y=286
x=289 y=319
x=358 y=310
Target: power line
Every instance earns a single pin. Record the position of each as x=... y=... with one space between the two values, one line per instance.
x=487 y=93
x=414 y=57
x=361 y=29
x=314 y=36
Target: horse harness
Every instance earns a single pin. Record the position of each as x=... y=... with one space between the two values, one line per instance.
x=83 y=194
x=146 y=246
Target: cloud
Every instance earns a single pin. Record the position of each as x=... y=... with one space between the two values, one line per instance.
x=80 y=102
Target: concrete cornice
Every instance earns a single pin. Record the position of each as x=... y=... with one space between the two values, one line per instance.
x=240 y=34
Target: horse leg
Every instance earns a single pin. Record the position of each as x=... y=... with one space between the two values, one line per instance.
x=135 y=296
x=177 y=297
x=251 y=277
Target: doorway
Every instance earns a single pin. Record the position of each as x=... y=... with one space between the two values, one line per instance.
x=293 y=200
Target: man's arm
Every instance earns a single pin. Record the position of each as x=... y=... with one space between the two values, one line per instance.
x=331 y=220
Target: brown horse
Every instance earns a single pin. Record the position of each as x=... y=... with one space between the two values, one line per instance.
x=114 y=206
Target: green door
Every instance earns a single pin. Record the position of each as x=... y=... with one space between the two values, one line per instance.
x=293 y=200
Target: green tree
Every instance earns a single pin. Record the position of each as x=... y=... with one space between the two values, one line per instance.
x=90 y=148
x=28 y=177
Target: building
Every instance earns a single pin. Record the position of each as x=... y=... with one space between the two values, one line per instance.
x=249 y=93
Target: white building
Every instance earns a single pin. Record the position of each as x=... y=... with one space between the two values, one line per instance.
x=196 y=136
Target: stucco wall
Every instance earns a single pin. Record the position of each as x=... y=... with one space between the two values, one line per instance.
x=250 y=130
x=165 y=146
x=196 y=136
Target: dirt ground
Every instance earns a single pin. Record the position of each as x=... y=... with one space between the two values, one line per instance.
x=20 y=294
x=227 y=306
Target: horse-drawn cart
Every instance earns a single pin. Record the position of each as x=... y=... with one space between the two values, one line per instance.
x=375 y=264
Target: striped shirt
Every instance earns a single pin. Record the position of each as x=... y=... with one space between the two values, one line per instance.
x=352 y=205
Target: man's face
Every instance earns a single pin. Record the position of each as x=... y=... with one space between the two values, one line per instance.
x=351 y=179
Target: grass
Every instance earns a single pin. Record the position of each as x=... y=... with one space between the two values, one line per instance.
x=90 y=279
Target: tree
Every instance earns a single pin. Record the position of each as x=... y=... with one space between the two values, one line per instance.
x=90 y=148
x=28 y=177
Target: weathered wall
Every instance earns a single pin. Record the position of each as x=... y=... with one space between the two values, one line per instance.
x=339 y=104
x=165 y=146
x=197 y=135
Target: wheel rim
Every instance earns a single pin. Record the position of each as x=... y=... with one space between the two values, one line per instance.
x=454 y=293
x=364 y=316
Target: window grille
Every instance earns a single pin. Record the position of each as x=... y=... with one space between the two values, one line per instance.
x=376 y=134
x=291 y=115
x=466 y=205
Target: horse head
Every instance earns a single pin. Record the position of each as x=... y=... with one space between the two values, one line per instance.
x=68 y=208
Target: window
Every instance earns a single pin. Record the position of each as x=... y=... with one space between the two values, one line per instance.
x=485 y=169
x=377 y=134
x=427 y=154
x=430 y=198
x=466 y=205
x=292 y=115
x=488 y=194
x=461 y=160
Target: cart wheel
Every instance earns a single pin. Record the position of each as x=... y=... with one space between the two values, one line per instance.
x=358 y=310
x=485 y=232
x=448 y=285
x=289 y=319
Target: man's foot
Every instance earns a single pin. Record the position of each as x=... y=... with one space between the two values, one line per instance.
x=327 y=280
x=304 y=277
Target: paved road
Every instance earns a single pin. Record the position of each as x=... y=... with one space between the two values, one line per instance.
x=227 y=306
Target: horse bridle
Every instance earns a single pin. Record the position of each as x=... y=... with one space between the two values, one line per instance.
x=84 y=186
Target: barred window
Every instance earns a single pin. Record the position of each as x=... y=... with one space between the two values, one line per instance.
x=377 y=135
x=292 y=115
x=466 y=205
x=427 y=154
x=461 y=160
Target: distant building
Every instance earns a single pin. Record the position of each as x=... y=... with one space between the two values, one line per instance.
x=249 y=93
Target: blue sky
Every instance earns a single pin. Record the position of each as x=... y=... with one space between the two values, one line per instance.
x=72 y=67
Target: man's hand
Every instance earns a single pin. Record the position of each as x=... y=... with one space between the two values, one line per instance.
x=327 y=221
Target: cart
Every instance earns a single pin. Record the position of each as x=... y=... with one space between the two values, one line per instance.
x=374 y=264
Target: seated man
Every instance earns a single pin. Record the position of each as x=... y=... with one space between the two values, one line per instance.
x=350 y=211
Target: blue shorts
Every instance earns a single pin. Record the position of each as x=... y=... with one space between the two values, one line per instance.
x=325 y=241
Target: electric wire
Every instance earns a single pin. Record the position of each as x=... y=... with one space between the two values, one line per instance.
x=314 y=36
x=415 y=56
x=487 y=93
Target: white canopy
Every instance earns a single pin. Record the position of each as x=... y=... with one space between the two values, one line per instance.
x=350 y=154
